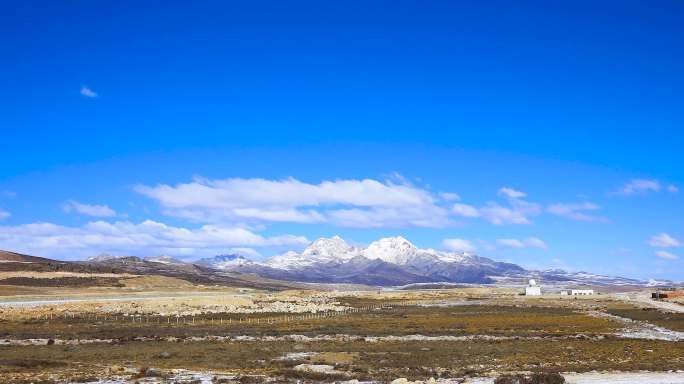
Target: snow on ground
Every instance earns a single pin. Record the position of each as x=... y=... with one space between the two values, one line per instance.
x=185 y=376
x=317 y=368
x=178 y=376
x=642 y=330
x=297 y=355
x=625 y=378
x=608 y=378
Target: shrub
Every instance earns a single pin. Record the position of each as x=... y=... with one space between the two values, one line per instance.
x=535 y=378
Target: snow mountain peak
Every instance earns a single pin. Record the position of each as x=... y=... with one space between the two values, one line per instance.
x=328 y=247
x=163 y=259
x=227 y=261
x=393 y=242
x=395 y=250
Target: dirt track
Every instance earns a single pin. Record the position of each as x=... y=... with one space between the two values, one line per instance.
x=645 y=299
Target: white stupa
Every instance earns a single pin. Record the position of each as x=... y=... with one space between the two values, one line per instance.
x=532 y=288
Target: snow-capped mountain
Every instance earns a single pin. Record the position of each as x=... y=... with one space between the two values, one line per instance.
x=392 y=261
x=395 y=250
x=395 y=261
x=559 y=277
x=322 y=251
x=107 y=258
x=164 y=259
x=102 y=257
x=388 y=261
x=224 y=262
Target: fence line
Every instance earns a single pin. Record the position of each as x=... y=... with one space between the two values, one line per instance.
x=204 y=319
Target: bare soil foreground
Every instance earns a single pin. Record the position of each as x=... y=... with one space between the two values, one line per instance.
x=161 y=329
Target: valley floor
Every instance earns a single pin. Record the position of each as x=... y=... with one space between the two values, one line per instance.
x=211 y=334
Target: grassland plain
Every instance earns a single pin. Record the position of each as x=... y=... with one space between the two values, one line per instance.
x=381 y=337
x=493 y=320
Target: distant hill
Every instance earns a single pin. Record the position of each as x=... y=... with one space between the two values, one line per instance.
x=194 y=273
x=12 y=261
x=12 y=257
x=159 y=266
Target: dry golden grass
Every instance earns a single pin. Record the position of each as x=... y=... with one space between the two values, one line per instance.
x=52 y=275
x=156 y=282
x=334 y=358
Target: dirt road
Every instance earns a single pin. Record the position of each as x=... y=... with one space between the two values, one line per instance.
x=645 y=299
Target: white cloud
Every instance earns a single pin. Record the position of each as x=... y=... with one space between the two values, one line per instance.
x=512 y=193
x=499 y=215
x=123 y=237
x=574 y=211
x=88 y=209
x=353 y=203
x=4 y=214
x=465 y=210
x=666 y=255
x=449 y=196
x=513 y=243
x=530 y=242
x=87 y=92
x=639 y=186
x=672 y=188
x=459 y=245
x=535 y=242
x=664 y=240
x=519 y=212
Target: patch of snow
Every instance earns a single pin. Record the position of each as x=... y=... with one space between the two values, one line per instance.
x=225 y=262
x=317 y=368
x=625 y=378
x=297 y=355
x=642 y=330
x=163 y=259
x=104 y=257
x=178 y=376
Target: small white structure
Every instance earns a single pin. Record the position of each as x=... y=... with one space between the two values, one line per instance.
x=533 y=289
x=577 y=292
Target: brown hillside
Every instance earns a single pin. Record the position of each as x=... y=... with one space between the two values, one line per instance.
x=7 y=256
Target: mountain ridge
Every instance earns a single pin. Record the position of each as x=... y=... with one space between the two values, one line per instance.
x=395 y=261
x=391 y=261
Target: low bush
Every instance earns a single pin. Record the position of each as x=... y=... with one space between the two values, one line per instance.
x=535 y=378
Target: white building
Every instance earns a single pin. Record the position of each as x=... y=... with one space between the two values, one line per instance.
x=533 y=289
x=577 y=292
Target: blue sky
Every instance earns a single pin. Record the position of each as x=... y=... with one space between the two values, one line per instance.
x=544 y=133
